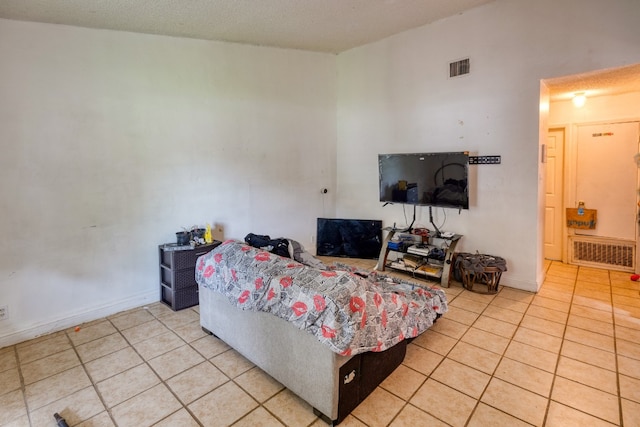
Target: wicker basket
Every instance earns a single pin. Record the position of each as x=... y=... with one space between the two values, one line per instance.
x=490 y=277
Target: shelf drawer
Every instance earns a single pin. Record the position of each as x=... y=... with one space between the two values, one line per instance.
x=177 y=280
x=181 y=259
x=178 y=300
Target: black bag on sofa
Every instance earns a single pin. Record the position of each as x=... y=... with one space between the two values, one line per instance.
x=277 y=246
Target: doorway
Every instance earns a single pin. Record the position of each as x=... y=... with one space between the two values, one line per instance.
x=554 y=234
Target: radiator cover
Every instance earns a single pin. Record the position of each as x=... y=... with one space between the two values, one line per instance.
x=613 y=254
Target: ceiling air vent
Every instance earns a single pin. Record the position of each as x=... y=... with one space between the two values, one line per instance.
x=459 y=68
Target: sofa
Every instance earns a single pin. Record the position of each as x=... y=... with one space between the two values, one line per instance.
x=328 y=335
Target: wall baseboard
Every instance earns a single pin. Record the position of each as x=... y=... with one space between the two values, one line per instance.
x=77 y=318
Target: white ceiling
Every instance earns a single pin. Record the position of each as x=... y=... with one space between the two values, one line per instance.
x=316 y=25
x=331 y=26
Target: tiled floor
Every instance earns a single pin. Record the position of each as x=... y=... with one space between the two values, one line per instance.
x=568 y=356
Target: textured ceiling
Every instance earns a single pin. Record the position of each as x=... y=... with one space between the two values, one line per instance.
x=597 y=83
x=316 y=25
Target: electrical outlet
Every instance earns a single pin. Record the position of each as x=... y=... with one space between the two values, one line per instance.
x=4 y=312
x=313 y=238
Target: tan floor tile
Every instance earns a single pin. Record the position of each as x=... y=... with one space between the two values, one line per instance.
x=461 y=377
x=476 y=357
x=22 y=421
x=562 y=416
x=624 y=300
x=461 y=315
x=628 y=349
x=586 y=399
x=159 y=309
x=258 y=417
x=101 y=347
x=558 y=286
x=144 y=331
x=489 y=324
x=449 y=328
x=476 y=296
x=624 y=291
x=548 y=314
x=435 y=342
x=627 y=334
x=590 y=294
x=592 y=325
x=113 y=364
x=630 y=388
x=469 y=304
x=160 y=344
x=210 y=346
x=503 y=314
x=627 y=321
x=131 y=318
x=75 y=408
x=444 y=403
x=50 y=365
x=12 y=405
x=516 y=401
x=43 y=338
x=551 y=304
x=626 y=310
x=91 y=332
x=538 y=339
x=180 y=318
x=485 y=416
x=533 y=356
x=260 y=385
x=593 y=356
x=525 y=376
x=410 y=416
x=289 y=408
x=593 y=303
x=558 y=295
x=509 y=304
x=517 y=295
x=9 y=380
x=127 y=384
x=593 y=376
x=190 y=331
x=630 y=413
x=379 y=408
x=196 y=382
x=101 y=420
x=43 y=348
x=421 y=360
x=56 y=387
x=8 y=358
x=592 y=313
x=146 y=408
x=175 y=361
x=232 y=363
x=543 y=325
x=628 y=366
x=486 y=340
x=603 y=342
x=182 y=418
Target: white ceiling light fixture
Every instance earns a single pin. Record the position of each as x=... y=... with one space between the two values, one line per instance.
x=579 y=99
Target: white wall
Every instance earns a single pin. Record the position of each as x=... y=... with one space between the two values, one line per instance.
x=111 y=142
x=395 y=96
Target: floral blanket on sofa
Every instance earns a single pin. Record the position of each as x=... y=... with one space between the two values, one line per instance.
x=349 y=313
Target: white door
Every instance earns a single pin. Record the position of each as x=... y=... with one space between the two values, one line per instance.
x=553 y=211
x=607 y=177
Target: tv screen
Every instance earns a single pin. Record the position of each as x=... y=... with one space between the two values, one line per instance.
x=425 y=179
x=352 y=238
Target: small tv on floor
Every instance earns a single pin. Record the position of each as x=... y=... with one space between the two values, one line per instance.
x=350 y=238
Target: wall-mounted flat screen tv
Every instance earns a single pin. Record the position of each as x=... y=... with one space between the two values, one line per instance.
x=425 y=179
